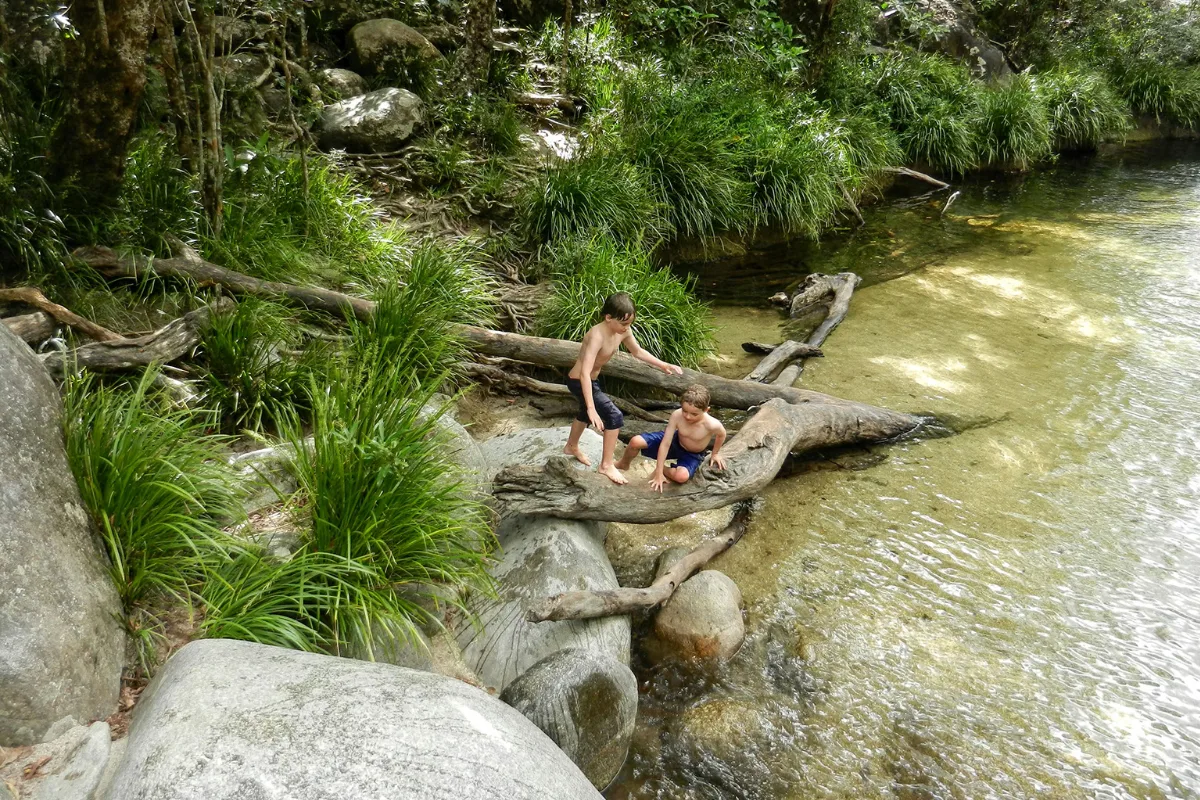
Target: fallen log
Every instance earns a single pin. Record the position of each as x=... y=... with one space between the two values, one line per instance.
x=814 y=291
x=780 y=357
x=760 y=348
x=205 y=273
x=543 y=100
x=753 y=458
x=920 y=176
x=175 y=339
x=33 y=297
x=32 y=328
x=496 y=375
x=589 y=605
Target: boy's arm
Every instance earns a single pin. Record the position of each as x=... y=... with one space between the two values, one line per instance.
x=716 y=458
x=587 y=360
x=641 y=354
x=658 y=479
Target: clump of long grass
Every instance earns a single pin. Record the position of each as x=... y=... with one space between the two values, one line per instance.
x=671 y=323
x=1013 y=127
x=1083 y=108
x=599 y=191
x=155 y=485
x=301 y=220
x=255 y=374
x=1158 y=89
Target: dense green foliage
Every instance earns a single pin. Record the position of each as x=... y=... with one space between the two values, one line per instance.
x=670 y=322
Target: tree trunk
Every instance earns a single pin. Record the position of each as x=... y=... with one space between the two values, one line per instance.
x=104 y=82
x=779 y=357
x=753 y=459
x=589 y=605
x=476 y=55
x=196 y=56
x=31 y=328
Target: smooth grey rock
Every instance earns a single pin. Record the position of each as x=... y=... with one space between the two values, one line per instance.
x=240 y=70
x=227 y=720
x=388 y=47
x=76 y=774
x=341 y=84
x=703 y=619
x=534 y=446
x=116 y=753
x=541 y=556
x=61 y=642
x=378 y=121
x=669 y=558
x=586 y=703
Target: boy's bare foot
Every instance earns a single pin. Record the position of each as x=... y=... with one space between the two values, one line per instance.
x=580 y=456
x=624 y=463
x=613 y=474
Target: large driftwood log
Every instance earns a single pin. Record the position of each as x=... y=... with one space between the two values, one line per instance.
x=173 y=340
x=31 y=328
x=753 y=458
x=780 y=357
x=815 y=291
x=33 y=297
x=589 y=605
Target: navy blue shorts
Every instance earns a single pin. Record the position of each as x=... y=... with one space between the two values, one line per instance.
x=677 y=453
x=606 y=409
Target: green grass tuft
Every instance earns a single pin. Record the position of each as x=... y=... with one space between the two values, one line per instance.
x=1083 y=109
x=1013 y=126
x=1161 y=90
x=670 y=322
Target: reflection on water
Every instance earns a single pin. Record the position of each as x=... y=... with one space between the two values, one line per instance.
x=1010 y=612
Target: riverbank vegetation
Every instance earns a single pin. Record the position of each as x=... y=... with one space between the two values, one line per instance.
x=670 y=123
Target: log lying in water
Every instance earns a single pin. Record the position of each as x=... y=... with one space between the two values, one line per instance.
x=174 y=340
x=753 y=459
x=589 y=605
x=780 y=357
x=817 y=290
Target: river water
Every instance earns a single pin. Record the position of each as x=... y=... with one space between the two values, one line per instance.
x=1008 y=612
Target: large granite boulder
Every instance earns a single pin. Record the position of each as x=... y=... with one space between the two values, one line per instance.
x=227 y=720
x=61 y=641
x=72 y=765
x=948 y=27
x=586 y=703
x=541 y=556
x=534 y=447
x=392 y=50
x=703 y=619
x=376 y=122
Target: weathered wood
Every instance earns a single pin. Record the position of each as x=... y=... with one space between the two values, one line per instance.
x=780 y=357
x=32 y=328
x=589 y=605
x=495 y=375
x=108 y=262
x=843 y=285
x=753 y=458
x=759 y=348
x=541 y=100
x=175 y=339
x=920 y=176
x=33 y=297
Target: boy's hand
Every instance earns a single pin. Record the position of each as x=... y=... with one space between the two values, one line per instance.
x=597 y=423
x=717 y=461
x=672 y=369
x=657 y=481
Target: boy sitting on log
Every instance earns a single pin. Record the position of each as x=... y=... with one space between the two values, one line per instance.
x=595 y=406
x=685 y=441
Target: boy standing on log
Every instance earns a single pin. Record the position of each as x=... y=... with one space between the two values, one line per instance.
x=689 y=432
x=595 y=407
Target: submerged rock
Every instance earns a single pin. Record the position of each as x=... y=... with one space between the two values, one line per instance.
x=375 y=122
x=702 y=621
x=541 y=556
x=227 y=720
x=586 y=703
x=62 y=644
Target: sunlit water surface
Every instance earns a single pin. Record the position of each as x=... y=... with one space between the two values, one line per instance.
x=1008 y=612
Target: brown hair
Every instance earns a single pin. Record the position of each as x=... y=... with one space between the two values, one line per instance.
x=697 y=396
x=618 y=306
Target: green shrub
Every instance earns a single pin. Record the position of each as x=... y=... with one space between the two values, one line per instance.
x=939 y=137
x=251 y=377
x=598 y=191
x=682 y=140
x=155 y=485
x=795 y=184
x=1013 y=127
x=1083 y=108
x=300 y=220
x=158 y=199
x=670 y=322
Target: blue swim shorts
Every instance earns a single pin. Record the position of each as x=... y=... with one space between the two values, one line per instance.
x=677 y=453
x=607 y=410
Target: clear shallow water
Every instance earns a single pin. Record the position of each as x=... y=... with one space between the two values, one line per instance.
x=1011 y=612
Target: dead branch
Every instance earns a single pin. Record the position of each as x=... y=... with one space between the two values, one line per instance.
x=33 y=297
x=780 y=357
x=541 y=100
x=920 y=176
x=32 y=328
x=589 y=605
